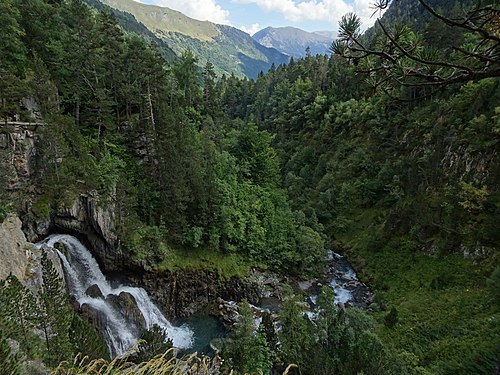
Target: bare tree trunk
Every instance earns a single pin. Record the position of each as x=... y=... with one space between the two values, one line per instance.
x=77 y=111
x=150 y=108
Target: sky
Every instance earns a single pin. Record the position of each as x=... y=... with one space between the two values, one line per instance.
x=254 y=15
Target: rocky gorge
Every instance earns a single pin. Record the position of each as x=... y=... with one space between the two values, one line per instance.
x=93 y=221
x=179 y=294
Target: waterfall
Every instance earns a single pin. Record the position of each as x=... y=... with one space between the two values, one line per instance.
x=341 y=278
x=82 y=272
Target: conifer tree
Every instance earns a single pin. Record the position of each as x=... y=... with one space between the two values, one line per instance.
x=329 y=326
x=17 y=311
x=12 y=49
x=210 y=100
x=259 y=354
x=187 y=76
x=270 y=333
x=8 y=362
x=12 y=90
x=55 y=313
x=247 y=348
x=296 y=335
x=154 y=342
x=86 y=340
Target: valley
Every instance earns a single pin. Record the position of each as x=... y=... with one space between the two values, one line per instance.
x=177 y=198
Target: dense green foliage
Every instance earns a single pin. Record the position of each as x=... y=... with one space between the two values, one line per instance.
x=328 y=341
x=247 y=349
x=53 y=313
x=154 y=341
x=130 y=23
x=268 y=173
x=410 y=188
x=336 y=341
x=8 y=362
x=141 y=132
x=230 y=50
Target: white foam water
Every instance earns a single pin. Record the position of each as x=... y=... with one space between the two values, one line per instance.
x=82 y=271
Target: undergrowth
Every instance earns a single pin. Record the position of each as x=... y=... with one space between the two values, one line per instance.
x=149 y=247
x=205 y=259
x=165 y=363
x=446 y=310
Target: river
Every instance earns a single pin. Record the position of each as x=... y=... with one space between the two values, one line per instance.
x=107 y=299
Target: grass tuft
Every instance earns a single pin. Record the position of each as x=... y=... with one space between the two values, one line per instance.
x=165 y=363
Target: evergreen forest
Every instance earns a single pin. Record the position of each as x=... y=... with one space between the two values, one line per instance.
x=386 y=151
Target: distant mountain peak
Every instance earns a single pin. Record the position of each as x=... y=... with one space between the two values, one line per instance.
x=327 y=34
x=294 y=41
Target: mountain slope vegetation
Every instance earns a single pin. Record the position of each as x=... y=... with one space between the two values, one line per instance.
x=128 y=22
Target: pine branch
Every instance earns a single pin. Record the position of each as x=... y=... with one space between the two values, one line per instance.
x=409 y=66
x=416 y=58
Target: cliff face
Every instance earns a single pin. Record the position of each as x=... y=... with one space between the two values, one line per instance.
x=20 y=257
x=17 y=256
x=95 y=225
x=14 y=249
x=85 y=217
x=183 y=293
x=17 y=153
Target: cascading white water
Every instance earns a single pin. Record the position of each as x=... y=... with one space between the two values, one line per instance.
x=341 y=278
x=342 y=295
x=83 y=271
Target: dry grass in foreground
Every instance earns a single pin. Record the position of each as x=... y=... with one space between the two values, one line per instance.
x=166 y=363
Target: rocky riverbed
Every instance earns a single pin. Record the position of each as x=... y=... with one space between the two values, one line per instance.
x=339 y=275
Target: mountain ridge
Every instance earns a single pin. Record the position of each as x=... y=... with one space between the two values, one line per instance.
x=229 y=49
x=294 y=41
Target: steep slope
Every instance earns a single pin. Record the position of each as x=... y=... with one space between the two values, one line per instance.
x=130 y=23
x=227 y=48
x=293 y=41
x=160 y=19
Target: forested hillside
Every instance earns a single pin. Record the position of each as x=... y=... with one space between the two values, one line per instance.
x=117 y=114
x=387 y=152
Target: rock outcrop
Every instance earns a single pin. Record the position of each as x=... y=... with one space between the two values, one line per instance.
x=14 y=249
x=94 y=291
x=21 y=258
x=126 y=304
x=94 y=224
x=95 y=316
x=17 y=156
x=181 y=294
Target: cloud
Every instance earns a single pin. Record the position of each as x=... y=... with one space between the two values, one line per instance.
x=314 y=10
x=251 y=29
x=367 y=12
x=204 y=10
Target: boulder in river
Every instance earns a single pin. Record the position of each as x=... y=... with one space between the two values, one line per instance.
x=96 y=317
x=94 y=291
x=126 y=304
